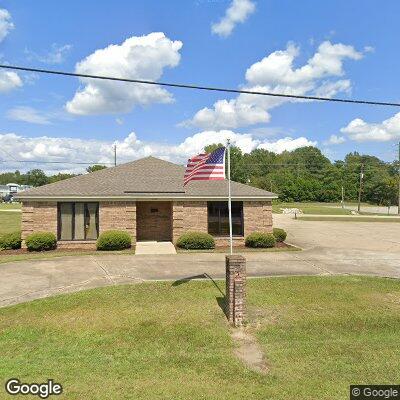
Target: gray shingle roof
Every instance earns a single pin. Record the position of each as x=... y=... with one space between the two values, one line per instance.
x=147 y=177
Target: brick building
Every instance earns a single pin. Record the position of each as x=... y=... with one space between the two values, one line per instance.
x=147 y=199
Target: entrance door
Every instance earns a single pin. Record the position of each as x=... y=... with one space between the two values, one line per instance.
x=154 y=220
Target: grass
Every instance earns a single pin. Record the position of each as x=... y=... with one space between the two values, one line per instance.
x=11 y=206
x=45 y=255
x=9 y=222
x=168 y=341
x=241 y=249
x=312 y=208
x=5 y=258
x=349 y=219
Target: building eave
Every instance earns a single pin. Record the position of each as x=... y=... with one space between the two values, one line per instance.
x=140 y=198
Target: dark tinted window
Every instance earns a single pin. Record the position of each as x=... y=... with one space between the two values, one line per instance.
x=78 y=221
x=218 y=218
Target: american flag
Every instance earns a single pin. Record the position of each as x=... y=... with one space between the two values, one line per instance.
x=206 y=167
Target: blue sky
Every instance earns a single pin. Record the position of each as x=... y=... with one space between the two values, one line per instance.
x=337 y=48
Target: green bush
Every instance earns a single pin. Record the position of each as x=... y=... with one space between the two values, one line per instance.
x=260 y=239
x=195 y=241
x=11 y=241
x=114 y=240
x=41 y=241
x=280 y=234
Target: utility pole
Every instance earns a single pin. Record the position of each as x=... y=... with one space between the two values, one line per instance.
x=342 y=197
x=115 y=154
x=398 y=204
x=360 y=188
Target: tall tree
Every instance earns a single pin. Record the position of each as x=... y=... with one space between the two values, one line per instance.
x=95 y=167
x=36 y=177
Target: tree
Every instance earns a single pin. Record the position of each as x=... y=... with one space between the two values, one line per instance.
x=238 y=171
x=95 y=167
x=305 y=174
x=36 y=177
x=60 y=177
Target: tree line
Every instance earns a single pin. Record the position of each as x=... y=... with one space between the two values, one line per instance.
x=37 y=177
x=304 y=174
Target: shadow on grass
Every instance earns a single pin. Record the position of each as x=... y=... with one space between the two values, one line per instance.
x=221 y=300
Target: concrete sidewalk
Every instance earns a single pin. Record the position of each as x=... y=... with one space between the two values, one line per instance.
x=329 y=248
x=27 y=280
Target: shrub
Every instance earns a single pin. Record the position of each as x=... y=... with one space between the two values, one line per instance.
x=280 y=234
x=11 y=241
x=41 y=241
x=114 y=240
x=260 y=239
x=195 y=241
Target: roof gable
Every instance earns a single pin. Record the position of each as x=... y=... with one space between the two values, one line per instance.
x=148 y=176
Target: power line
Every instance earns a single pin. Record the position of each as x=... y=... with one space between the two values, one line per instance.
x=197 y=87
x=356 y=165
x=55 y=162
x=8 y=154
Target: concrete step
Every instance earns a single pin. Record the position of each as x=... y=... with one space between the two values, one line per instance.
x=155 y=248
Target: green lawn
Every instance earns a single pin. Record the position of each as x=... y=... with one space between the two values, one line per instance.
x=12 y=206
x=166 y=341
x=9 y=222
x=45 y=255
x=312 y=208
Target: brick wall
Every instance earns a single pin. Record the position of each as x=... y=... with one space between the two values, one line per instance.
x=42 y=216
x=188 y=216
x=38 y=216
x=154 y=220
x=257 y=216
x=185 y=216
x=235 y=293
x=120 y=215
x=192 y=216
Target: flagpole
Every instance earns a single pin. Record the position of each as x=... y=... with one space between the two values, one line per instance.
x=228 y=145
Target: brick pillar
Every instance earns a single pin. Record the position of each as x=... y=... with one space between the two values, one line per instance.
x=235 y=298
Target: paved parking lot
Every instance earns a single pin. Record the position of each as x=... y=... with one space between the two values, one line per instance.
x=341 y=235
x=329 y=248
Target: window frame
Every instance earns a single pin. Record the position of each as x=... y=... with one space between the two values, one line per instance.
x=220 y=203
x=85 y=208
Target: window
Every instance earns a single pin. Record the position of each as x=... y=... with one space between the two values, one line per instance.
x=218 y=218
x=78 y=221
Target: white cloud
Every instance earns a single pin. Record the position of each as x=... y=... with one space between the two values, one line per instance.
x=6 y=25
x=276 y=74
x=143 y=57
x=330 y=89
x=229 y=114
x=237 y=12
x=101 y=151
x=28 y=114
x=277 y=68
x=369 y=49
x=56 y=55
x=362 y=131
x=335 y=139
x=8 y=79
x=286 y=144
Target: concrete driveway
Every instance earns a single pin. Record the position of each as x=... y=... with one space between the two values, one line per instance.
x=371 y=248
